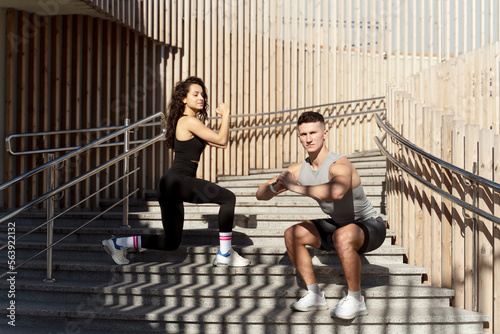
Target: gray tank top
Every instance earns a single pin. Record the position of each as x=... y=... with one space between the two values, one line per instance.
x=353 y=207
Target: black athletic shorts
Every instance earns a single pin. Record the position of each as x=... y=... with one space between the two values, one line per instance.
x=374 y=229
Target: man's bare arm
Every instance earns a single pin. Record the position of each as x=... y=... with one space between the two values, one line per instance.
x=340 y=182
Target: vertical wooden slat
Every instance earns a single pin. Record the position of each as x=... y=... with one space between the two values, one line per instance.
x=496 y=238
x=33 y=100
x=193 y=41
x=436 y=200
x=485 y=228
x=294 y=76
x=75 y=91
x=410 y=209
x=86 y=96
x=439 y=31
x=45 y=90
x=287 y=78
x=272 y=69
x=252 y=52
x=116 y=66
x=212 y=74
x=470 y=156
x=163 y=20
x=241 y=136
x=316 y=53
x=219 y=68
x=301 y=55
x=186 y=38
x=246 y=56
x=232 y=75
x=334 y=49
x=22 y=97
x=171 y=27
x=97 y=94
x=258 y=96
x=266 y=77
x=10 y=97
x=446 y=205
x=105 y=98
x=458 y=220
x=277 y=84
x=465 y=25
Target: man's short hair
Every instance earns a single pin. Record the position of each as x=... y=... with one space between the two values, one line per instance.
x=310 y=117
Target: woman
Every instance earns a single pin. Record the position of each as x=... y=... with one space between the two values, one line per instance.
x=187 y=135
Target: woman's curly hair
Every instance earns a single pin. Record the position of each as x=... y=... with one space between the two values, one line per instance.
x=176 y=107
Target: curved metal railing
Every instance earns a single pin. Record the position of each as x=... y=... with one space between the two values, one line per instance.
x=463 y=173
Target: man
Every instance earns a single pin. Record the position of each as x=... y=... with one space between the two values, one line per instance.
x=353 y=228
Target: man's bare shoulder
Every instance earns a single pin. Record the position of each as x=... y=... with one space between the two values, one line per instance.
x=341 y=166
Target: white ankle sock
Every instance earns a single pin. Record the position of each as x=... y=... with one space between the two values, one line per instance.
x=355 y=294
x=225 y=241
x=314 y=288
x=129 y=242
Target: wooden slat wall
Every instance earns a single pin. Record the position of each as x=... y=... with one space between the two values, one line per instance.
x=459 y=124
x=156 y=19
x=74 y=72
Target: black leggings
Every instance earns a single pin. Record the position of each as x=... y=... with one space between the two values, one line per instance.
x=180 y=185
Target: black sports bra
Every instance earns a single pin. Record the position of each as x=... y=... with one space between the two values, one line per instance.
x=189 y=150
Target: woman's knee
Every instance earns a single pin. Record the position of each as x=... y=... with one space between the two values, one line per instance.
x=227 y=196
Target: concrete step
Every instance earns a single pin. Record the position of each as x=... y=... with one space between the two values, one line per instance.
x=234 y=295
x=193 y=236
x=104 y=270
x=195 y=220
x=365 y=169
x=88 y=317
x=270 y=251
x=252 y=182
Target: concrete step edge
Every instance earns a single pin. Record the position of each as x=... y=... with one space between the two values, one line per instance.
x=332 y=291
x=255 y=315
x=208 y=269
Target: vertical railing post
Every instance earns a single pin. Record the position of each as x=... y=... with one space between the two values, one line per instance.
x=126 y=187
x=50 y=221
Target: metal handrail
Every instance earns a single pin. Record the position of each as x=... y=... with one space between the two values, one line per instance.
x=93 y=144
x=293 y=123
x=433 y=187
x=60 y=214
x=303 y=108
x=9 y=139
x=72 y=154
x=476 y=178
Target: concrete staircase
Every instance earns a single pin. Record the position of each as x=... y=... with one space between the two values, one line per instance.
x=181 y=292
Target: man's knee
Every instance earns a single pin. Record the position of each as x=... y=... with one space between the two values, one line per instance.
x=293 y=234
x=350 y=236
x=289 y=234
x=303 y=233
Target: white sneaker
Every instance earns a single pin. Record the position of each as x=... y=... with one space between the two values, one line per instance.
x=118 y=253
x=350 y=308
x=230 y=259
x=310 y=302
